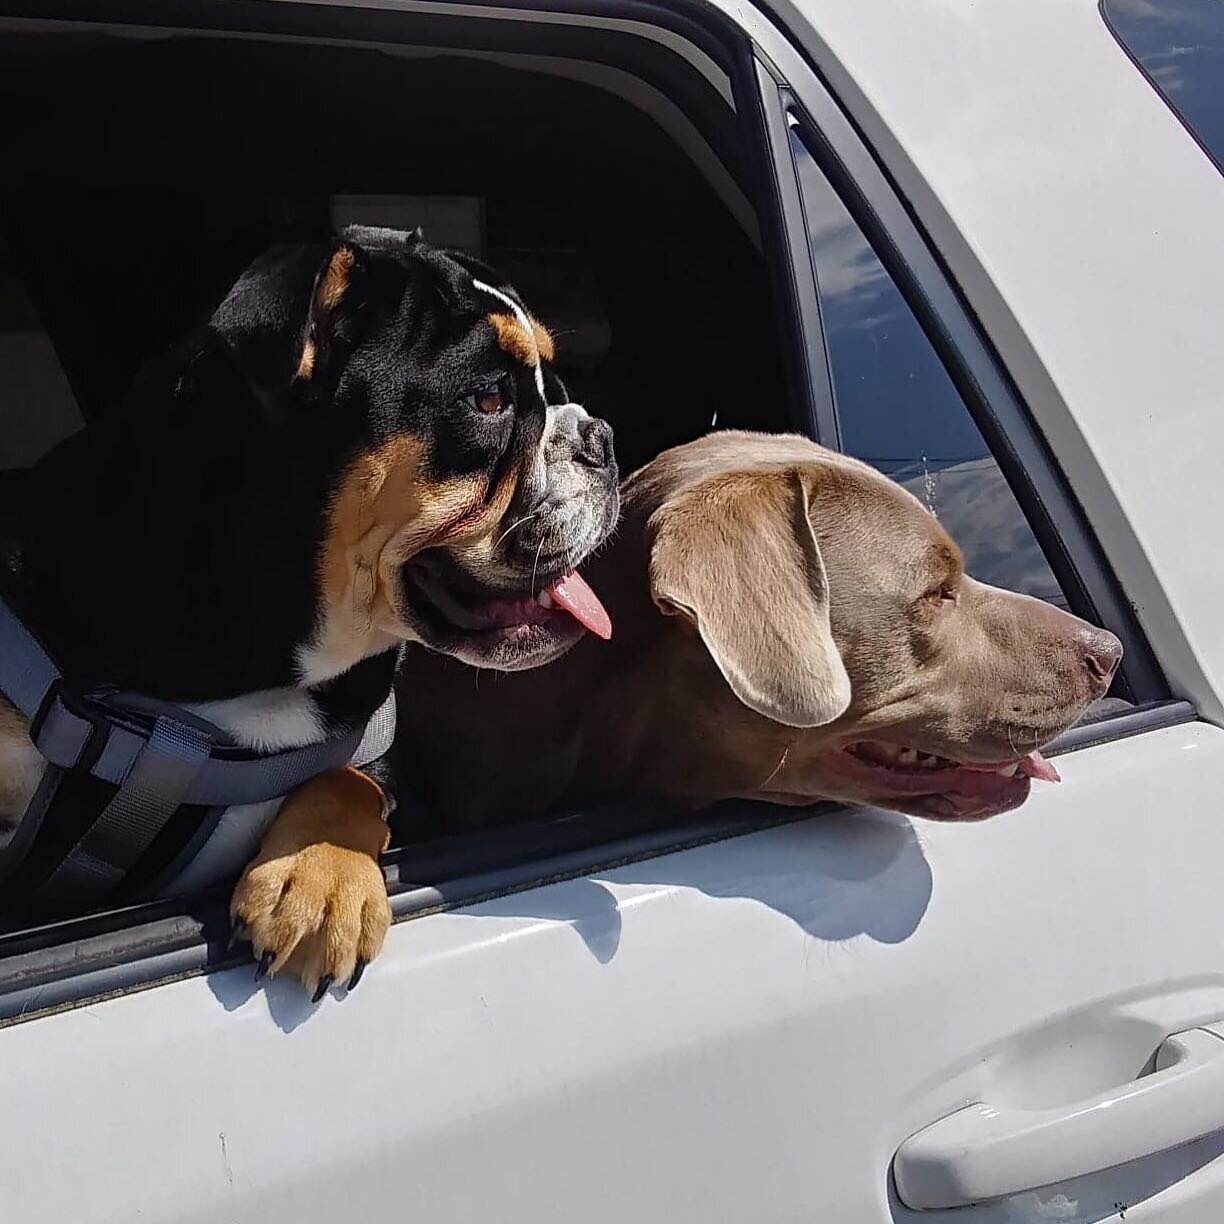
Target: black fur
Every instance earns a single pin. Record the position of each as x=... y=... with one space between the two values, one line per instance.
x=172 y=548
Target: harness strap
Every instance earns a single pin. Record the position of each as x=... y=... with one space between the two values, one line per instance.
x=27 y=671
x=156 y=787
x=75 y=733
x=379 y=734
x=158 y=757
x=78 y=733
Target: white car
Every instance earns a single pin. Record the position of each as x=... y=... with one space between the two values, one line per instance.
x=980 y=244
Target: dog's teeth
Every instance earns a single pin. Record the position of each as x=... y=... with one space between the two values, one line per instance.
x=1009 y=771
x=927 y=761
x=908 y=756
x=883 y=753
x=544 y=599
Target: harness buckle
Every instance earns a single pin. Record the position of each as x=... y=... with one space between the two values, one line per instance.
x=78 y=707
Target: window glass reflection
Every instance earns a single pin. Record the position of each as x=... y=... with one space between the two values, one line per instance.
x=899 y=410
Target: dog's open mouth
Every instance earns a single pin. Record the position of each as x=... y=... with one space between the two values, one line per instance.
x=940 y=787
x=456 y=604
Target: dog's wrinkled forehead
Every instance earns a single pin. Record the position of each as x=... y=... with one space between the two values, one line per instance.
x=497 y=312
x=432 y=344
x=520 y=335
x=854 y=510
x=861 y=489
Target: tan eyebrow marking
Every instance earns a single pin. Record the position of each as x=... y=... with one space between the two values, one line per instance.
x=512 y=337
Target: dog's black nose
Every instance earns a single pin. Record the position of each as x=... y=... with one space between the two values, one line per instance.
x=596 y=446
x=1101 y=653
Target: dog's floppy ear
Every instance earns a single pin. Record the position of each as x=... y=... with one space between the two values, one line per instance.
x=736 y=555
x=340 y=294
x=296 y=308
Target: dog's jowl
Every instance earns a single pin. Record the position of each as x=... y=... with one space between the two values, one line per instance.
x=365 y=446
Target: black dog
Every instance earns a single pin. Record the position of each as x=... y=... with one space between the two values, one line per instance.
x=366 y=445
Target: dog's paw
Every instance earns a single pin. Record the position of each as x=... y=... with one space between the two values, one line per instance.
x=320 y=914
x=313 y=903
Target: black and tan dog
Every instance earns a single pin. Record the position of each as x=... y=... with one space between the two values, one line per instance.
x=366 y=445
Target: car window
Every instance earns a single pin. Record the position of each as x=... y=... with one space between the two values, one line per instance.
x=898 y=409
x=1179 y=45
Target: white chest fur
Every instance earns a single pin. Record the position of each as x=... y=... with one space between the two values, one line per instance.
x=268 y=721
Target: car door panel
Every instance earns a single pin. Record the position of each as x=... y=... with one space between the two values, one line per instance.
x=746 y=1030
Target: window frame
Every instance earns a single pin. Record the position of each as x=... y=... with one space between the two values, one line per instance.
x=817 y=127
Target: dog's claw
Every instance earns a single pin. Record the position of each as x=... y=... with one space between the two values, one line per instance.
x=361 y=968
x=324 y=986
x=265 y=963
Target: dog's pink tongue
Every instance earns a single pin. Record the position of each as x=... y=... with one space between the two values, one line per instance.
x=1036 y=766
x=1032 y=766
x=573 y=593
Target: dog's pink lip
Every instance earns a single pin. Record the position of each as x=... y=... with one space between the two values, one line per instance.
x=954 y=806
x=909 y=771
x=562 y=603
x=938 y=787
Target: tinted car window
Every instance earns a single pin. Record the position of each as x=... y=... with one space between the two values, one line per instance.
x=897 y=407
x=1179 y=45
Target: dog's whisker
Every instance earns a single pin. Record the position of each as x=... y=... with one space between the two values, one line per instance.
x=777 y=769
x=535 y=565
x=517 y=523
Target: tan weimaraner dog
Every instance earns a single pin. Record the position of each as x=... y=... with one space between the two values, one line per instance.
x=789 y=625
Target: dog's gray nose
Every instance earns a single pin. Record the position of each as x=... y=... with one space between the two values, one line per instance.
x=596 y=446
x=1101 y=652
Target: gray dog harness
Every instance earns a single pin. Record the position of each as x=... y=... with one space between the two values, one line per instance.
x=148 y=759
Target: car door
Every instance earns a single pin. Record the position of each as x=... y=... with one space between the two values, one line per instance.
x=745 y=1018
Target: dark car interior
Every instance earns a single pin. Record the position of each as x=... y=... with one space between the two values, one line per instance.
x=143 y=174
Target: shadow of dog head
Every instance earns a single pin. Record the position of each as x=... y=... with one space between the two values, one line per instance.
x=827 y=638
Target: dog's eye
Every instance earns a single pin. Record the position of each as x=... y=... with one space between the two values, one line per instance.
x=487 y=399
x=944 y=592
